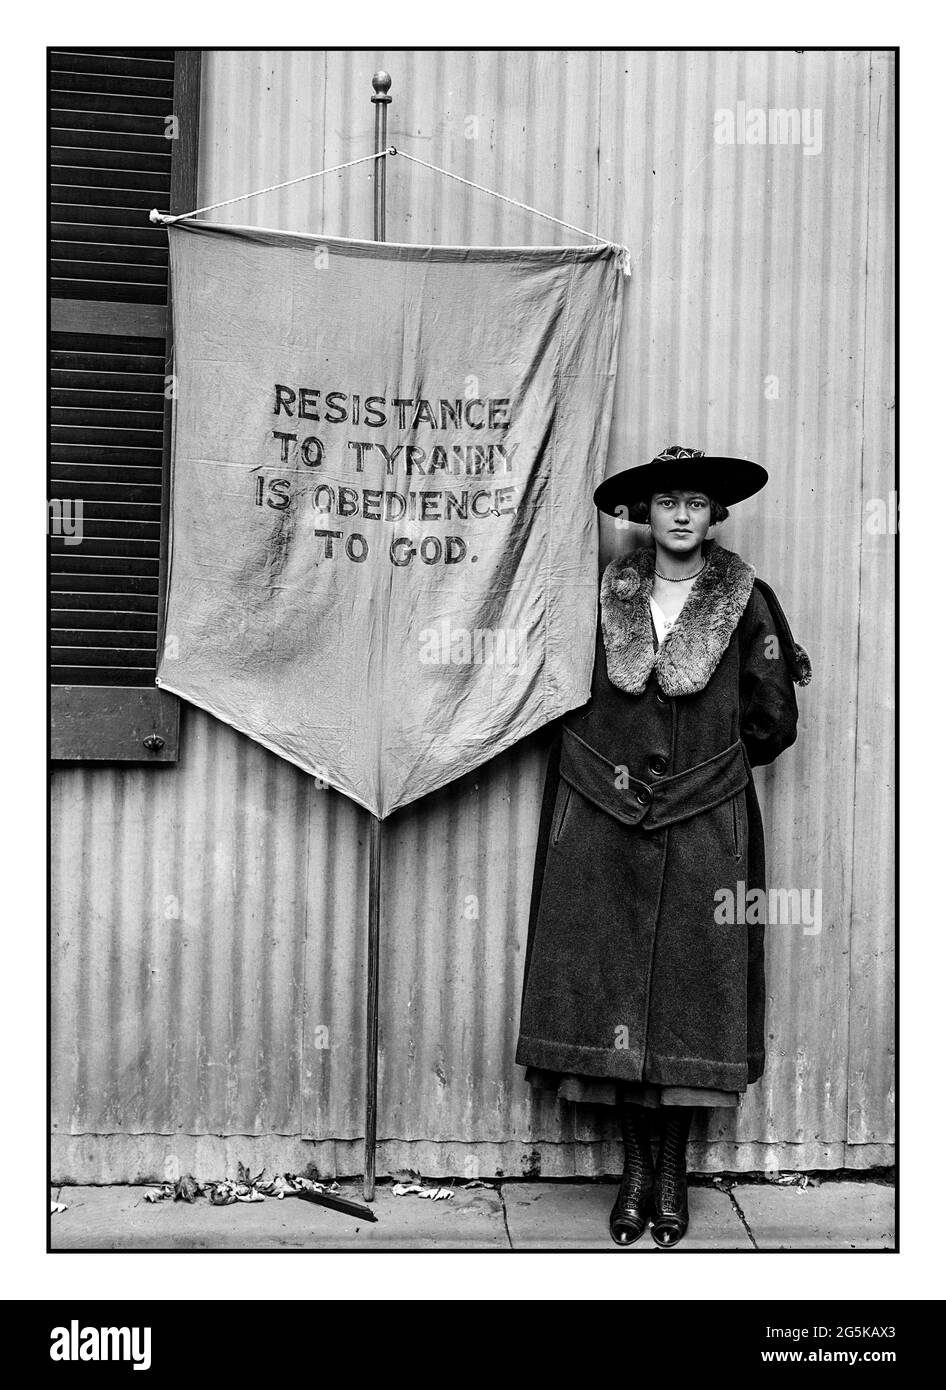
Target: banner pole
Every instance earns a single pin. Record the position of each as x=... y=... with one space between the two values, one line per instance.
x=381 y=82
x=371 y=1011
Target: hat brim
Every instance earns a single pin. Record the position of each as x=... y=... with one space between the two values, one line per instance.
x=724 y=480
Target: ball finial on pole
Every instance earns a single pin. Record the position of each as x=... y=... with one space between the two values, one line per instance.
x=381 y=83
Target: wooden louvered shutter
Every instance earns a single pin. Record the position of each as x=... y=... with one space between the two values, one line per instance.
x=123 y=139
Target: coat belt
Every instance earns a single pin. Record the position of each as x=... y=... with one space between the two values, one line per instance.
x=662 y=801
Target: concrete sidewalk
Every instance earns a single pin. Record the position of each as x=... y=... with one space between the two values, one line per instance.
x=508 y=1216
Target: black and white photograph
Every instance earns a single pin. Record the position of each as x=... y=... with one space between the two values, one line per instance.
x=472 y=516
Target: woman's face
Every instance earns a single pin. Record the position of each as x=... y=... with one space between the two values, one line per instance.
x=680 y=520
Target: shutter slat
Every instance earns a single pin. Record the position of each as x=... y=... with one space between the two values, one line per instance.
x=133 y=609
x=137 y=87
x=97 y=510
x=100 y=638
x=88 y=60
x=95 y=528
x=126 y=122
x=69 y=478
x=143 y=587
x=105 y=454
x=107 y=436
x=65 y=99
x=105 y=292
x=120 y=162
x=97 y=675
x=110 y=417
x=87 y=380
x=130 y=219
x=76 y=561
x=88 y=351
x=124 y=55
x=136 y=200
x=120 y=276
x=78 y=248
x=99 y=345
x=156 y=183
x=121 y=491
x=106 y=547
x=144 y=237
x=76 y=141
x=122 y=657
x=75 y=399
x=100 y=656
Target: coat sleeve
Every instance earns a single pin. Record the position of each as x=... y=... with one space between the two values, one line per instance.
x=771 y=664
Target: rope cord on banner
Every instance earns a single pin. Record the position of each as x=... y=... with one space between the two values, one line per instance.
x=166 y=219
x=623 y=260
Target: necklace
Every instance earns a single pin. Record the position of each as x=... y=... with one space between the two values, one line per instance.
x=670 y=580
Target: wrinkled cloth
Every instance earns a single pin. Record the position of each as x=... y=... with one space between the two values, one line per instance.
x=383 y=542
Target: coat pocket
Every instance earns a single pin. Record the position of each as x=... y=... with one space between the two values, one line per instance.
x=561 y=810
x=735 y=805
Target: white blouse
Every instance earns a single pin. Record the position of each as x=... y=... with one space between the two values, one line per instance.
x=661 y=623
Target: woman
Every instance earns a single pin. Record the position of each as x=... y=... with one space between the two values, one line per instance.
x=639 y=993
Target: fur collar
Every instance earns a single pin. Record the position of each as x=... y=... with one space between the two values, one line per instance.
x=692 y=649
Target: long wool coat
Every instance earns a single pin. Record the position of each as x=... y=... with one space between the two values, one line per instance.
x=649 y=811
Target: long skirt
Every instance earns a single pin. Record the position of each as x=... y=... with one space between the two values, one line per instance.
x=598 y=1090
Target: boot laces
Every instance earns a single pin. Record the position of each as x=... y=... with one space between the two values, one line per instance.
x=638 y=1161
x=673 y=1167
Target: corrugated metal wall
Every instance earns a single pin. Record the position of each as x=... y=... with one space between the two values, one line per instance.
x=208 y=964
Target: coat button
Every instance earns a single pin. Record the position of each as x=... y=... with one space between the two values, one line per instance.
x=658 y=766
x=644 y=796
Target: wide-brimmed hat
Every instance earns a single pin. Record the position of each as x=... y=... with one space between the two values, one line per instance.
x=725 y=480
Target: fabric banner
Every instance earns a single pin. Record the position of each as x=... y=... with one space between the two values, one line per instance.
x=383 y=559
